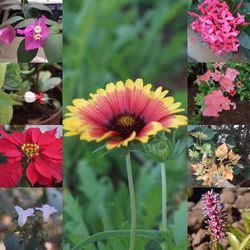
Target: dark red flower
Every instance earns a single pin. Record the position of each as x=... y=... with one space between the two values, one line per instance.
x=39 y=154
x=238 y=84
x=232 y=92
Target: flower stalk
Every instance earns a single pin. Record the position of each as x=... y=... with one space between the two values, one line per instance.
x=132 y=202
x=164 y=200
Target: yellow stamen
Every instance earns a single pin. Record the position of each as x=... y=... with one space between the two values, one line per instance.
x=126 y=121
x=30 y=150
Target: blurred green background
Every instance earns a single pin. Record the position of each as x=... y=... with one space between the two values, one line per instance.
x=106 y=41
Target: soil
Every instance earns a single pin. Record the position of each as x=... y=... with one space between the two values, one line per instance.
x=240 y=115
x=35 y=113
x=235 y=200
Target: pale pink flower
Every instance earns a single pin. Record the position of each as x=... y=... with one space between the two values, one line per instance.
x=215 y=102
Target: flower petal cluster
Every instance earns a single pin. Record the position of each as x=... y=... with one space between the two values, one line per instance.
x=215 y=102
x=7 y=34
x=213 y=211
x=35 y=34
x=217 y=26
x=39 y=154
x=123 y=113
x=23 y=214
x=218 y=169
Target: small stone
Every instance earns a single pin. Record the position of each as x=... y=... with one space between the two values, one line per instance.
x=228 y=196
x=199 y=237
x=241 y=191
x=195 y=220
x=190 y=205
x=243 y=201
x=203 y=246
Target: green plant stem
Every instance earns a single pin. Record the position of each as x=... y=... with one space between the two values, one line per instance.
x=164 y=200
x=132 y=202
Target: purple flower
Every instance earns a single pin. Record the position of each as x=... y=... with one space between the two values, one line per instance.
x=35 y=34
x=212 y=210
x=7 y=34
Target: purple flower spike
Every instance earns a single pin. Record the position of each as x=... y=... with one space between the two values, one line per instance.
x=212 y=210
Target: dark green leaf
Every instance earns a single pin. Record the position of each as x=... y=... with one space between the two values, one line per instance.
x=53 y=48
x=25 y=55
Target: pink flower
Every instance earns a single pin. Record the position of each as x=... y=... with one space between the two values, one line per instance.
x=226 y=84
x=231 y=74
x=7 y=34
x=217 y=26
x=216 y=102
x=204 y=78
x=35 y=34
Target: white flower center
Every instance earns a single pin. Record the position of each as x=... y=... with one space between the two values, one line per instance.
x=37 y=32
x=38 y=29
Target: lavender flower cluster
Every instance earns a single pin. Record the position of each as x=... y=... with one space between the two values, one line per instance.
x=212 y=210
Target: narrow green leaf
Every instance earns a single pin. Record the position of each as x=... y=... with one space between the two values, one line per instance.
x=38 y=7
x=12 y=20
x=154 y=235
x=233 y=241
x=2 y=74
x=24 y=23
x=245 y=243
x=244 y=40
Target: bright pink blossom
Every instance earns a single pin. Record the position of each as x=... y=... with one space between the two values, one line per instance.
x=35 y=34
x=217 y=26
x=39 y=154
x=215 y=102
x=7 y=34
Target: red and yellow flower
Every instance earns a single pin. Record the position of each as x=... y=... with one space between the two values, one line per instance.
x=122 y=113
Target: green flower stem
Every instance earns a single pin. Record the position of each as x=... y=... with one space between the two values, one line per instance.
x=132 y=202
x=164 y=200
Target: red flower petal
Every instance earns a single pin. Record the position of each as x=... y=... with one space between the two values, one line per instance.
x=10 y=174
x=47 y=137
x=52 y=153
x=33 y=134
x=42 y=168
x=32 y=174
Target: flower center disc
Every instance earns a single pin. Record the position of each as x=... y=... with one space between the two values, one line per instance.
x=126 y=121
x=30 y=150
x=126 y=124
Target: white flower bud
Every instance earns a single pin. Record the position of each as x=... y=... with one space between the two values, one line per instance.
x=29 y=97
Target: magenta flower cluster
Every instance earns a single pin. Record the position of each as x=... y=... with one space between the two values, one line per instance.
x=217 y=26
x=35 y=34
x=215 y=217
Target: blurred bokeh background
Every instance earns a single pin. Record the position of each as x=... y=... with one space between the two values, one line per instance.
x=107 y=41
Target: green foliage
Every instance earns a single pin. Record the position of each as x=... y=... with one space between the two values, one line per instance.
x=25 y=55
x=239 y=238
x=46 y=81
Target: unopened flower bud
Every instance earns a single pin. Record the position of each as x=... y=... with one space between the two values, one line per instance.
x=29 y=97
